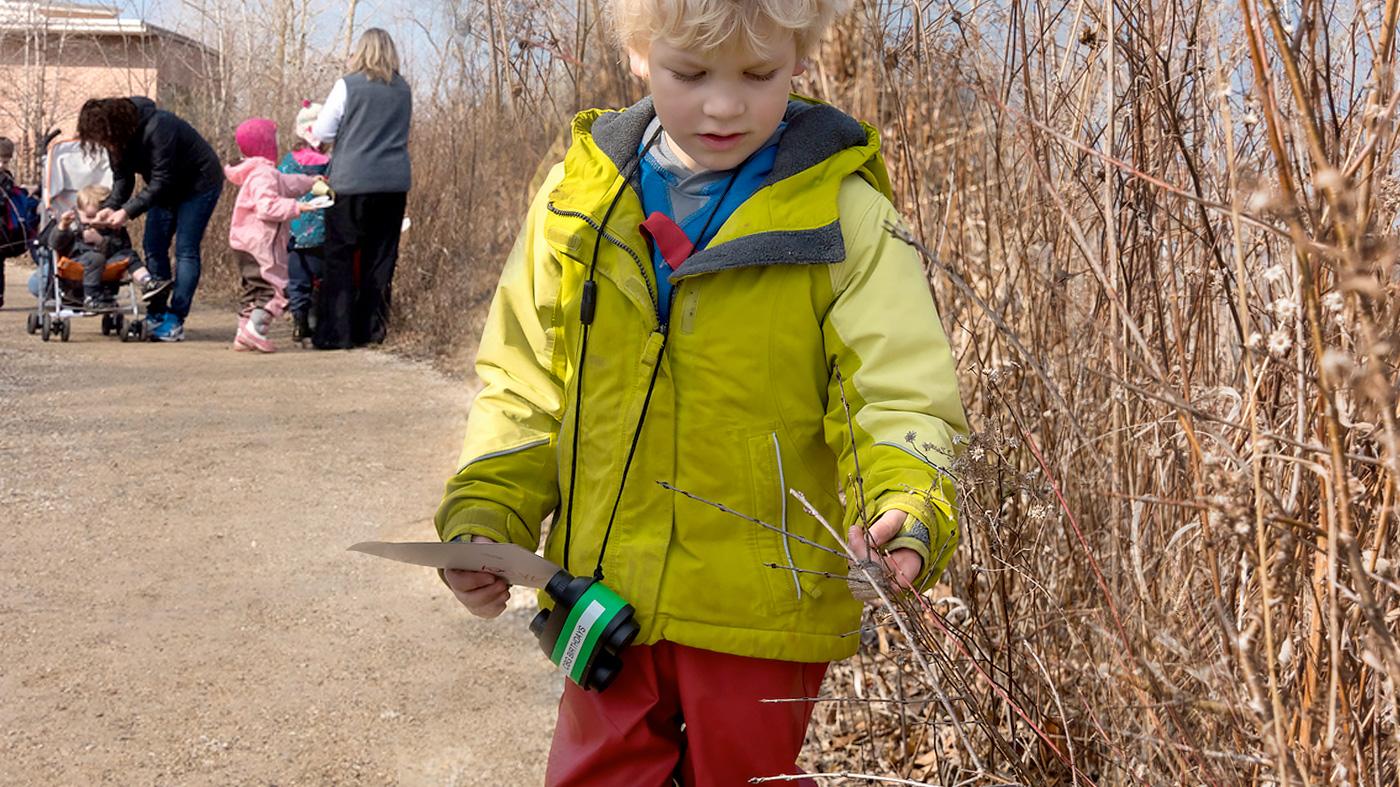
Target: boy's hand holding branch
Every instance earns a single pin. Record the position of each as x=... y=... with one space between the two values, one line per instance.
x=904 y=564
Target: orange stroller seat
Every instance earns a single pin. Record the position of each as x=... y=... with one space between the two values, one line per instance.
x=72 y=270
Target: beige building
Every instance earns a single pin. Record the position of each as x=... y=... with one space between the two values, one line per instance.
x=55 y=56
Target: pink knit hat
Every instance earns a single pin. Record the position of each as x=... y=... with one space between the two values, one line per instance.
x=306 y=118
x=257 y=137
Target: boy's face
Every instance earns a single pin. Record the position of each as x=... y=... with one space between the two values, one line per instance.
x=88 y=213
x=720 y=106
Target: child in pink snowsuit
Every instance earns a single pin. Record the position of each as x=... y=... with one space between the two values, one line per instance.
x=267 y=201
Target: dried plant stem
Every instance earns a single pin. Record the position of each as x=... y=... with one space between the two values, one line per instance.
x=914 y=650
x=726 y=509
x=842 y=775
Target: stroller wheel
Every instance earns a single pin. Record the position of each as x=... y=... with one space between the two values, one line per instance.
x=106 y=325
x=118 y=323
x=31 y=323
x=136 y=330
x=46 y=327
x=64 y=329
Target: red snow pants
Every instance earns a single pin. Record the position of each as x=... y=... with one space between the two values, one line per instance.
x=631 y=735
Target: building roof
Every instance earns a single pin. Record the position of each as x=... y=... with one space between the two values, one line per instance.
x=75 y=19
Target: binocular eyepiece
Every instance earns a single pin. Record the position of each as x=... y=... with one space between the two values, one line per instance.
x=586 y=631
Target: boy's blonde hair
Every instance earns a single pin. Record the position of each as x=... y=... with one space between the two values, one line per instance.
x=92 y=197
x=376 y=56
x=706 y=25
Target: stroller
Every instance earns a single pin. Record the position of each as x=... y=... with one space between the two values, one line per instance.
x=67 y=169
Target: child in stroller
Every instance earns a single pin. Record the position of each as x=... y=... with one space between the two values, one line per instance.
x=94 y=246
x=57 y=283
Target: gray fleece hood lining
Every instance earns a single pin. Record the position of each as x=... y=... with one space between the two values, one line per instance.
x=815 y=133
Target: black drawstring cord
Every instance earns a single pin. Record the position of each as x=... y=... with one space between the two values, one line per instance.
x=627 y=466
x=719 y=205
x=651 y=386
x=588 y=306
x=586 y=310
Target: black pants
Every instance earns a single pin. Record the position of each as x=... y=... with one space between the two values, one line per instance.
x=353 y=309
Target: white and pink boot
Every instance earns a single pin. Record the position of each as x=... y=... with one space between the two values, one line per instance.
x=252 y=333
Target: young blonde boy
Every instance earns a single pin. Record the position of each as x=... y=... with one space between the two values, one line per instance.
x=688 y=286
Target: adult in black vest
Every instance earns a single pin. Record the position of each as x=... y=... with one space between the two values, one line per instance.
x=367 y=117
x=183 y=181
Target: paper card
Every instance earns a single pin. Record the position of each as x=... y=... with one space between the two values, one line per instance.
x=508 y=561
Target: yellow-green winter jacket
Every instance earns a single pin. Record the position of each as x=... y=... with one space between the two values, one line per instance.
x=803 y=278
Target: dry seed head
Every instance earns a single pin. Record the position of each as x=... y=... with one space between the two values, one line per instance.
x=1335 y=363
x=1275 y=274
x=1383 y=566
x=1330 y=179
x=1285 y=309
x=1280 y=342
x=1333 y=302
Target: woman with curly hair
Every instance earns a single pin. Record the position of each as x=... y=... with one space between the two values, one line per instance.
x=182 y=183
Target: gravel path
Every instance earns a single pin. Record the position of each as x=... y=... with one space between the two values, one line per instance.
x=176 y=602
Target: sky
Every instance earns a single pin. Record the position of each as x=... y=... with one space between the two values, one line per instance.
x=389 y=14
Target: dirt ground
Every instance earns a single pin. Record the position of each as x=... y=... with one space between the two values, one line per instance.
x=177 y=605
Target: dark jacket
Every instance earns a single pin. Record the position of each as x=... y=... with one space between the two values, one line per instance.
x=19 y=217
x=115 y=243
x=173 y=159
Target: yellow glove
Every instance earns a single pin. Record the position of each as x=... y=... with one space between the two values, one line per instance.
x=322 y=189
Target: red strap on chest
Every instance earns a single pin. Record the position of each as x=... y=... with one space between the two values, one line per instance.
x=669 y=238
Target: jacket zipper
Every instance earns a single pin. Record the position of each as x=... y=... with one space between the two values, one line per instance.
x=651 y=291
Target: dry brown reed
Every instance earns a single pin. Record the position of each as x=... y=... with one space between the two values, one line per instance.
x=1162 y=238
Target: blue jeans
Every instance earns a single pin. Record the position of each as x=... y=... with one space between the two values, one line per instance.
x=303 y=269
x=185 y=225
x=38 y=281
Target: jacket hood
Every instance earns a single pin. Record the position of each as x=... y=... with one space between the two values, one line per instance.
x=815 y=132
x=240 y=172
x=145 y=108
x=792 y=218
x=257 y=137
x=309 y=157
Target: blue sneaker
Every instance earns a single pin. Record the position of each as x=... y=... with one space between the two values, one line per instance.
x=170 y=329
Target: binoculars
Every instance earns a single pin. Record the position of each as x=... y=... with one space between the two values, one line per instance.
x=586 y=631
